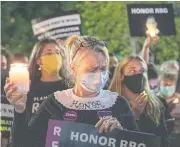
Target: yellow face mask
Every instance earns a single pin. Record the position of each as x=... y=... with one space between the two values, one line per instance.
x=51 y=63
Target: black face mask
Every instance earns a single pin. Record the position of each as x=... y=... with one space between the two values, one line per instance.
x=136 y=83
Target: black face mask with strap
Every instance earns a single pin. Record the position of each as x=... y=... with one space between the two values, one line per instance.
x=135 y=83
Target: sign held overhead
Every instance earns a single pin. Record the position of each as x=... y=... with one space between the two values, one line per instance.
x=162 y=14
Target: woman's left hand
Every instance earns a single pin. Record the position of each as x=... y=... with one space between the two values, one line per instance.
x=108 y=124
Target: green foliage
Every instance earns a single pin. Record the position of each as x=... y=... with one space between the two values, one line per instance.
x=107 y=20
x=16 y=29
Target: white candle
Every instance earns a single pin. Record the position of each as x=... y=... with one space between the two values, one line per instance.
x=19 y=75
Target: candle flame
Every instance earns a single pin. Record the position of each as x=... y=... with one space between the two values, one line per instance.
x=19 y=65
x=151 y=26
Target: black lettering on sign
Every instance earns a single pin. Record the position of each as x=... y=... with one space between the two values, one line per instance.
x=87 y=105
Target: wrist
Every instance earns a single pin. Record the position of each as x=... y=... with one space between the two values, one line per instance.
x=136 y=113
x=20 y=109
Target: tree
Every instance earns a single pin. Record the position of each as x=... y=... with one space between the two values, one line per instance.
x=107 y=20
x=16 y=18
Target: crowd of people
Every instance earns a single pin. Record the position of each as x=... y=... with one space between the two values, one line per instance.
x=81 y=76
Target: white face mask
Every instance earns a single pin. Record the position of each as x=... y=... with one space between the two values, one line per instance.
x=94 y=82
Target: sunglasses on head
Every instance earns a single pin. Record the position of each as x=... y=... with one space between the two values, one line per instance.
x=89 y=43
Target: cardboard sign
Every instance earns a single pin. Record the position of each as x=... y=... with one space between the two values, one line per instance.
x=161 y=14
x=70 y=134
x=59 y=27
x=7 y=110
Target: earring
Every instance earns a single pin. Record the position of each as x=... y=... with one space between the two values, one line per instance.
x=39 y=67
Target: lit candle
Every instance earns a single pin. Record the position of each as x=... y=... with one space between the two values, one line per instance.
x=19 y=75
x=151 y=25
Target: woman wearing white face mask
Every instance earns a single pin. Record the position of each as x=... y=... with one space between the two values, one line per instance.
x=86 y=100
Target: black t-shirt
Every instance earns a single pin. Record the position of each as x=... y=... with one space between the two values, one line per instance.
x=147 y=125
x=61 y=105
x=39 y=91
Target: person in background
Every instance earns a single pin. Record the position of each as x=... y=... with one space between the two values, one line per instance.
x=154 y=84
x=153 y=78
x=46 y=74
x=89 y=65
x=147 y=53
x=169 y=70
x=170 y=65
x=130 y=81
x=178 y=82
x=168 y=82
x=20 y=58
x=6 y=60
x=5 y=139
x=113 y=62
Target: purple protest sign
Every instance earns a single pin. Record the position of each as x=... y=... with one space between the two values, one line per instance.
x=83 y=135
x=53 y=133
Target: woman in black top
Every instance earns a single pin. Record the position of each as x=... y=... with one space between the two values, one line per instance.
x=130 y=81
x=46 y=69
x=86 y=100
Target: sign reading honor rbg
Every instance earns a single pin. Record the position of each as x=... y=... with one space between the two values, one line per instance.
x=161 y=14
x=70 y=134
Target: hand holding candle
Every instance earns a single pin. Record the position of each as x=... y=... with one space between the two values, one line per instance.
x=19 y=75
x=17 y=86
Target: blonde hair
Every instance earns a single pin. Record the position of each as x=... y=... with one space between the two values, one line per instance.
x=153 y=107
x=75 y=44
x=78 y=47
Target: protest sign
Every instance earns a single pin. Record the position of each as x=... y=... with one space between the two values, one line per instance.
x=59 y=27
x=161 y=14
x=70 y=134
